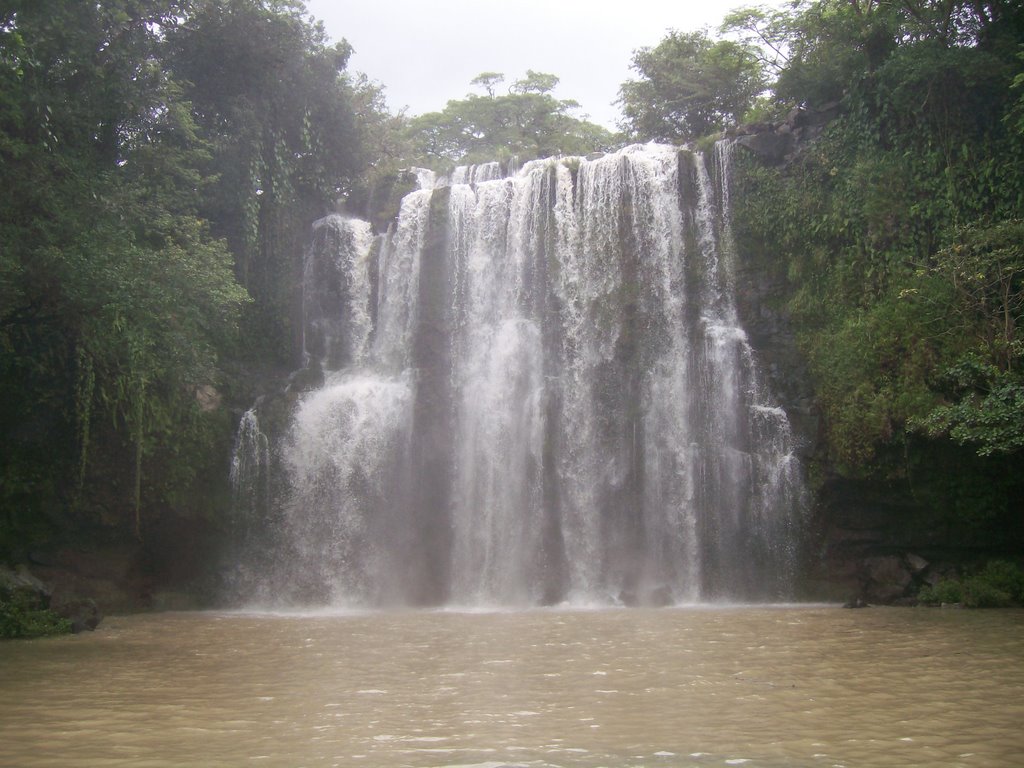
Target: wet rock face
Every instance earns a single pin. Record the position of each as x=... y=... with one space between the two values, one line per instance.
x=112 y=577
x=875 y=540
x=762 y=291
x=887 y=578
x=863 y=545
x=82 y=612
x=775 y=143
x=379 y=203
x=760 y=296
x=18 y=584
x=771 y=147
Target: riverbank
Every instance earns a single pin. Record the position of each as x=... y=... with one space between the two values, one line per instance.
x=71 y=587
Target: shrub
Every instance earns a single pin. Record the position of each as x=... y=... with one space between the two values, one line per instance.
x=980 y=593
x=1006 y=577
x=998 y=585
x=945 y=591
x=19 y=618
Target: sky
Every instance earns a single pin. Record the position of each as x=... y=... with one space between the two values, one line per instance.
x=425 y=52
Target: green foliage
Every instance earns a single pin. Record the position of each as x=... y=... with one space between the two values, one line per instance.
x=534 y=82
x=767 y=31
x=899 y=229
x=383 y=136
x=944 y=592
x=526 y=123
x=21 y=618
x=984 y=267
x=872 y=379
x=1005 y=576
x=983 y=390
x=271 y=97
x=155 y=154
x=835 y=226
x=831 y=45
x=690 y=86
x=488 y=81
x=897 y=235
x=999 y=584
x=979 y=593
x=988 y=412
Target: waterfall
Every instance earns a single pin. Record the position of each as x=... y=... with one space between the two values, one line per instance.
x=538 y=390
x=250 y=472
x=336 y=292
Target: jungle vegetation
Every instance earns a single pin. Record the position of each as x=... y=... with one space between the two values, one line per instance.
x=161 y=162
x=898 y=234
x=525 y=122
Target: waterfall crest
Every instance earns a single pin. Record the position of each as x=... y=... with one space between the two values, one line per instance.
x=538 y=391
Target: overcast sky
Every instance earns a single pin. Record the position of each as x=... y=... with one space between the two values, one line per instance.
x=425 y=52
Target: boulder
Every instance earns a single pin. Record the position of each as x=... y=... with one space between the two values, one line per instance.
x=208 y=397
x=772 y=148
x=19 y=585
x=774 y=143
x=27 y=607
x=915 y=563
x=887 y=578
x=82 y=612
x=749 y=129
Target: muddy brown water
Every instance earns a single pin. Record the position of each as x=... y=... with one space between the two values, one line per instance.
x=711 y=686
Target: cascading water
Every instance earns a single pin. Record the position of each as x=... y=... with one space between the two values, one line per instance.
x=541 y=393
x=336 y=293
x=250 y=472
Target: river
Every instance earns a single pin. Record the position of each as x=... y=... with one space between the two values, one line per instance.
x=708 y=686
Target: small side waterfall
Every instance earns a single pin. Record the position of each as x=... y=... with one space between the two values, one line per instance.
x=250 y=472
x=537 y=390
x=336 y=289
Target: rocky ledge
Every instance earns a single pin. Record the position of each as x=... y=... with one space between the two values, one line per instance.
x=776 y=143
x=29 y=608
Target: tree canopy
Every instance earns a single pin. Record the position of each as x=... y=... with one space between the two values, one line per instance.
x=898 y=232
x=690 y=86
x=161 y=161
x=526 y=122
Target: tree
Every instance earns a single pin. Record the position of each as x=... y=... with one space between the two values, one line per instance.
x=984 y=390
x=899 y=230
x=116 y=301
x=832 y=45
x=690 y=86
x=272 y=98
x=768 y=31
x=535 y=82
x=488 y=81
x=528 y=122
x=986 y=410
